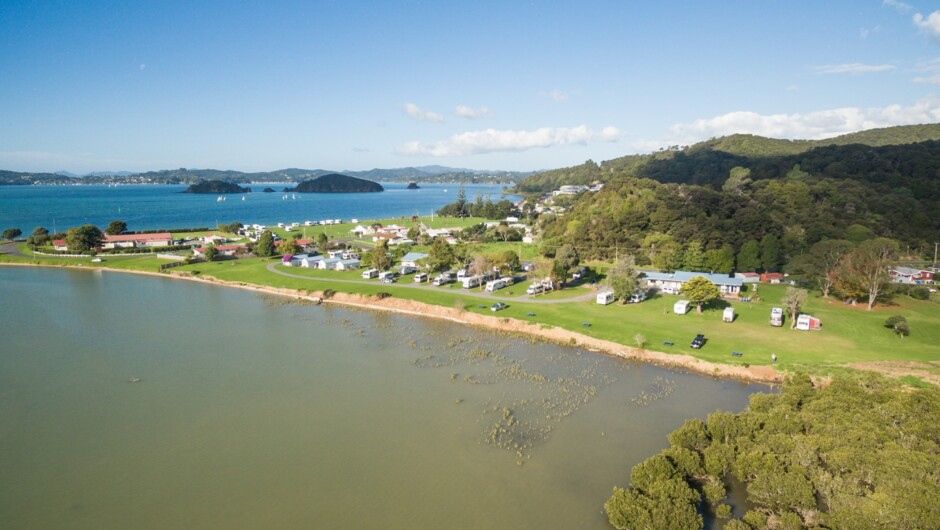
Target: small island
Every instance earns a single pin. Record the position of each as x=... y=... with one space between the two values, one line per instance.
x=216 y=187
x=336 y=183
x=267 y=190
x=413 y=186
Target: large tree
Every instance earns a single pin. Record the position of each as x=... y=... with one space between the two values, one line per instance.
x=116 y=227
x=720 y=260
x=440 y=255
x=82 y=238
x=11 y=233
x=693 y=259
x=870 y=265
x=700 y=290
x=749 y=256
x=823 y=260
x=210 y=252
x=770 y=257
x=793 y=302
x=265 y=246
x=623 y=278
x=380 y=257
x=566 y=258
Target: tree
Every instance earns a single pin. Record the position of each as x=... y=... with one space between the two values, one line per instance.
x=507 y=261
x=413 y=233
x=210 y=252
x=738 y=180
x=40 y=236
x=824 y=258
x=793 y=302
x=11 y=233
x=749 y=256
x=82 y=238
x=770 y=253
x=720 y=260
x=865 y=271
x=231 y=228
x=566 y=258
x=322 y=240
x=116 y=227
x=623 y=278
x=693 y=259
x=460 y=207
x=265 y=246
x=440 y=255
x=480 y=265
x=289 y=246
x=899 y=325
x=700 y=290
x=380 y=258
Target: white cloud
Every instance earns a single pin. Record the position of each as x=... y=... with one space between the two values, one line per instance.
x=811 y=126
x=142 y=66
x=490 y=140
x=793 y=88
x=900 y=6
x=933 y=80
x=555 y=95
x=863 y=33
x=929 y=25
x=421 y=115
x=853 y=68
x=930 y=70
x=471 y=114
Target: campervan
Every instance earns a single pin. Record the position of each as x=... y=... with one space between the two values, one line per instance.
x=605 y=297
x=681 y=307
x=370 y=273
x=386 y=275
x=776 y=317
x=637 y=297
x=495 y=285
x=443 y=279
x=421 y=277
x=470 y=282
x=807 y=323
x=407 y=269
x=727 y=315
x=535 y=288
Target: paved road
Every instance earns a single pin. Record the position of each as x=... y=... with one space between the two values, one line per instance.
x=10 y=248
x=477 y=293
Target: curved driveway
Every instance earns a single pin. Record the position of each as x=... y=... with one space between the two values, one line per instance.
x=477 y=294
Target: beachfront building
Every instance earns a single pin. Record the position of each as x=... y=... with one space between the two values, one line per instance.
x=162 y=239
x=671 y=282
x=60 y=245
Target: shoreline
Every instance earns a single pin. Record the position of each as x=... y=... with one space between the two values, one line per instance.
x=754 y=374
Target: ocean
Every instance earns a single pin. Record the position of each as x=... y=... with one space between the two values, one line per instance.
x=151 y=207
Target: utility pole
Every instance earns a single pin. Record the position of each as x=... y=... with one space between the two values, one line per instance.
x=935 y=255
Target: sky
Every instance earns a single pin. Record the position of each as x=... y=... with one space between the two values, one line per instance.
x=497 y=85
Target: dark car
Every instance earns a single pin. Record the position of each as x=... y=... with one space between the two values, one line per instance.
x=498 y=306
x=698 y=341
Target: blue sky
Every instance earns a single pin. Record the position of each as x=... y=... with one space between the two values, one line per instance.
x=354 y=85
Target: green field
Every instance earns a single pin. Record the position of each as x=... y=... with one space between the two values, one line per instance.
x=849 y=334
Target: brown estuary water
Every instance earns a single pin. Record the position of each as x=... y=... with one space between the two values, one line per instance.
x=255 y=412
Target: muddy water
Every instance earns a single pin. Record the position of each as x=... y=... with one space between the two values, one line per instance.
x=255 y=413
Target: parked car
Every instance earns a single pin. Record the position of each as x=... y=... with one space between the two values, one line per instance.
x=498 y=306
x=389 y=279
x=698 y=341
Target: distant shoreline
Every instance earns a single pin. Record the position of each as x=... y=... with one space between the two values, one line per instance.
x=754 y=374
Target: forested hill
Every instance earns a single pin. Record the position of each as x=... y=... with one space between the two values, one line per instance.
x=716 y=201
x=710 y=162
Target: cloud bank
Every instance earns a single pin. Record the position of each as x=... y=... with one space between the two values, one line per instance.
x=929 y=25
x=492 y=140
x=471 y=114
x=810 y=126
x=421 y=115
x=853 y=68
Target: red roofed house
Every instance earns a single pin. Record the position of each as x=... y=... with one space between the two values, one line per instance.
x=163 y=239
x=771 y=277
x=60 y=244
x=910 y=275
x=224 y=250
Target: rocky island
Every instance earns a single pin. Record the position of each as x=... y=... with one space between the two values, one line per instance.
x=216 y=187
x=336 y=183
x=413 y=186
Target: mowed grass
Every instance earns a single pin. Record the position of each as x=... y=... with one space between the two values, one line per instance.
x=849 y=334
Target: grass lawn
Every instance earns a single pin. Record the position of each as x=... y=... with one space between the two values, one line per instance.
x=849 y=334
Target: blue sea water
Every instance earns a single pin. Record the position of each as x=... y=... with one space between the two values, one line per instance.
x=150 y=207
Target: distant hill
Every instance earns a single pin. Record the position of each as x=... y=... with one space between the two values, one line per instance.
x=710 y=161
x=216 y=187
x=21 y=178
x=336 y=183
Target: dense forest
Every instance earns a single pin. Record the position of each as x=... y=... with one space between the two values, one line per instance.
x=715 y=200
x=862 y=452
